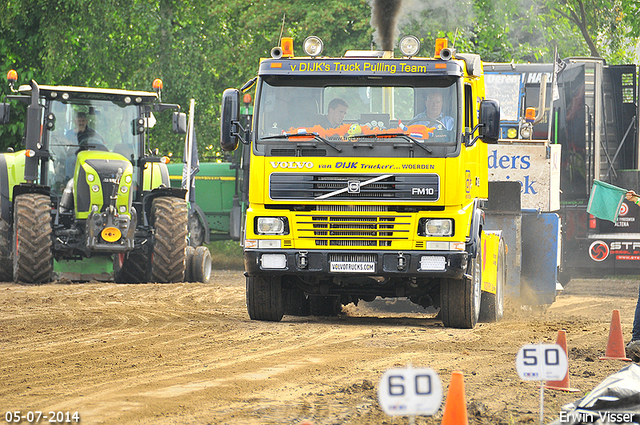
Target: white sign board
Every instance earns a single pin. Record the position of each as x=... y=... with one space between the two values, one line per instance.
x=542 y=362
x=410 y=392
x=536 y=167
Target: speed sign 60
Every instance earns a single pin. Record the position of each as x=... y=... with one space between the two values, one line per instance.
x=410 y=392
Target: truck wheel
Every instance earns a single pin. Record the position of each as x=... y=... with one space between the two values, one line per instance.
x=460 y=298
x=201 y=265
x=133 y=268
x=32 y=247
x=196 y=230
x=322 y=305
x=296 y=302
x=264 y=298
x=6 y=266
x=492 y=306
x=168 y=256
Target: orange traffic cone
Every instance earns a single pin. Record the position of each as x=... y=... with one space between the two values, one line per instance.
x=615 y=344
x=455 y=408
x=563 y=385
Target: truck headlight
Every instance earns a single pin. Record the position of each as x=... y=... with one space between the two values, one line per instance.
x=313 y=46
x=435 y=227
x=409 y=45
x=271 y=226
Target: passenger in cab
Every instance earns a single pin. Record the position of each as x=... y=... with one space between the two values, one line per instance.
x=336 y=111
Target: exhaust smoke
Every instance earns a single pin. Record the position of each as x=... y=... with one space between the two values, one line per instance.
x=385 y=15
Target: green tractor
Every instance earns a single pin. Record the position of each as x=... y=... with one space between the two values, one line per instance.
x=83 y=197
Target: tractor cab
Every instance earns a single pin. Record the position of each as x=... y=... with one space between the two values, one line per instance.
x=85 y=162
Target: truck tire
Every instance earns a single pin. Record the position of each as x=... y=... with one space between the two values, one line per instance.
x=264 y=298
x=132 y=268
x=460 y=298
x=201 y=265
x=6 y=266
x=32 y=243
x=492 y=306
x=169 y=252
x=296 y=302
x=322 y=305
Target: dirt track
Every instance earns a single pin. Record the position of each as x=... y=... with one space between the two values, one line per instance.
x=188 y=354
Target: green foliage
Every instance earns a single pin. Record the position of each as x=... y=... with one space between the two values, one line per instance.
x=199 y=48
x=529 y=30
x=226 y=255
x=609 y=28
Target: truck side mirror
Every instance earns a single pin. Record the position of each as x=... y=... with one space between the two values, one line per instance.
x=229 y=119
x=490 y=121
x=180 y=123
x=5 y=113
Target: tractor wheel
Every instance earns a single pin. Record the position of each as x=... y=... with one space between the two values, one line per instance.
x=264 y=298
x=188 y=274
x=196 y=230
x=492 y=306
x=321 y=305
x=32 y=243
x=6 y=267
x=132 y=268
x=460 y=298
x=201 y=265
x=168 y=256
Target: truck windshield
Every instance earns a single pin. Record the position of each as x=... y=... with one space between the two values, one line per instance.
x=343 y=111
x=91 y=125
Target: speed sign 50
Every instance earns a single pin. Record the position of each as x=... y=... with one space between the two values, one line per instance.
x=542 y=362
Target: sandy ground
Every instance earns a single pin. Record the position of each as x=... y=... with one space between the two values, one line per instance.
x=188 y=354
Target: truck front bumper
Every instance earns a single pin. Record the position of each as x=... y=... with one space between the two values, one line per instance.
x=450 y=264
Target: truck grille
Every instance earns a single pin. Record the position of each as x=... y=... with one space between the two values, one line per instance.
x=389 y=187
x=352 y=231
x=364 y=258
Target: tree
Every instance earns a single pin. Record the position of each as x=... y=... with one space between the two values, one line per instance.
x=201 y=47
x=608 y=28
x=529 y=30
x=198 y=48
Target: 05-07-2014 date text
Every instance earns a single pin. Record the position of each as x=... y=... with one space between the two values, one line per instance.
x=17 y=416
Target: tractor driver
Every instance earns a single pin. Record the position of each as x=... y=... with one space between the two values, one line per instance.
x=85 y=134
x=86 y=137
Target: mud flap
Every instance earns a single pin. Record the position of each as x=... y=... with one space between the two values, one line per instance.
x=540 y=256
x=504 y=212
x=236 y=219
x=490 y=247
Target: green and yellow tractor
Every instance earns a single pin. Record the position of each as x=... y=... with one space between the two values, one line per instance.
x=83 y=198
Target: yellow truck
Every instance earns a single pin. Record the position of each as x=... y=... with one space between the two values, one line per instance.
x=368 y=177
